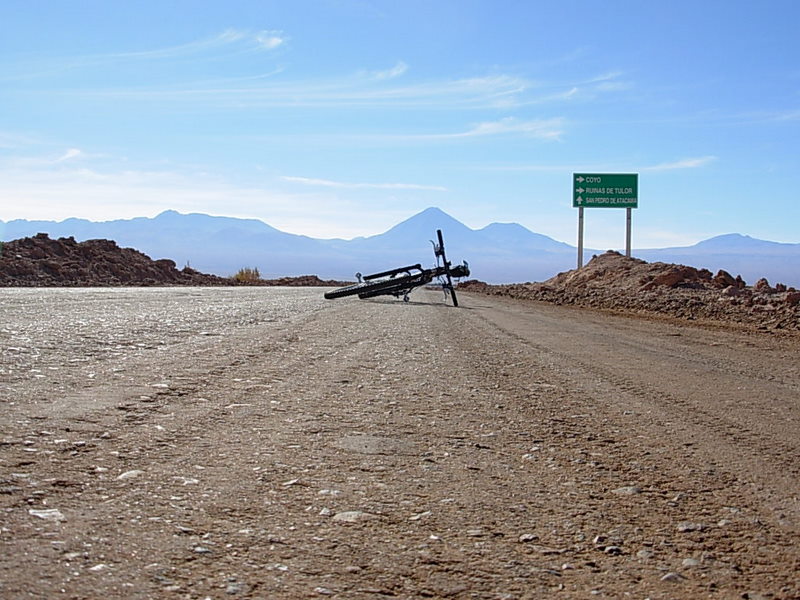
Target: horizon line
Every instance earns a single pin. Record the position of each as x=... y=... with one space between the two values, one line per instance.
x=217 y=216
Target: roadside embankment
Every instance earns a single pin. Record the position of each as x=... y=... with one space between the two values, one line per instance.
x=614 y=282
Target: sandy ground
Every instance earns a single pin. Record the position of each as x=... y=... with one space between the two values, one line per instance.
x=266 y=443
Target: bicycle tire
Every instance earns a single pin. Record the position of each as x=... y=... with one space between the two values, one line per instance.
x=350 y=290
x=370 y=286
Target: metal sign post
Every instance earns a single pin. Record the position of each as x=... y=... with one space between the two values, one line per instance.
x=628 y=232
x=580 y=237
x=605 y=190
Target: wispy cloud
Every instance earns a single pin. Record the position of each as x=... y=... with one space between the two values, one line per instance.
x=620 y=166
x=253 y=40
x=570 y=92
x=353 y=186
x=10 y=140
x=788 y=115
x=69 y=155
x=364 y=89
x=685 y=163
x=270 y=40
x=229 y=43
x=395 y=71
x=548 y=129
x=354 y=91
x=542 y=129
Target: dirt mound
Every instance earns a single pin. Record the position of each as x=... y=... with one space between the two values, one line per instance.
x=41 y=261
x=613 y=281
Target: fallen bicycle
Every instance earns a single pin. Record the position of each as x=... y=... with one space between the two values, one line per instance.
x=400 y=282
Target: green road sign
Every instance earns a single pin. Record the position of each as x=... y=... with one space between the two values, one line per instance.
x=605 y=190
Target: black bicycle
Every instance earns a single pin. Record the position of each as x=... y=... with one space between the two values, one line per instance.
x=401 y=281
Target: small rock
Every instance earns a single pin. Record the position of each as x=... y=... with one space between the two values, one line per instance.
x=724 y=279
x=628 y=490
x=763 y=286
x=419 y=516
x=613 y=550
x=687 y=526
x=690 y=562
x=201 y=550
x=48 y=514
x=756 y=596
x=353 y=516
x=324 y=591
x=645 y=554
x=130 y=474
x=528 y=537
x=546 y=549
x=673 y=577
x=732 y=291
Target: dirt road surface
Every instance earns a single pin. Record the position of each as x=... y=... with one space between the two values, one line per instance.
x=266 y=443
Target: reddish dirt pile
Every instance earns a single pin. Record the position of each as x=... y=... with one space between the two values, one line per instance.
x=41 y=261
x=613 y=281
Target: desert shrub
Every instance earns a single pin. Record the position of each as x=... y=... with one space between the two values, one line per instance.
x=247 y=275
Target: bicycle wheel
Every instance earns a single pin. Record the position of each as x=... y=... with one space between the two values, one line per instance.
x=374 y=288
x=350 y=290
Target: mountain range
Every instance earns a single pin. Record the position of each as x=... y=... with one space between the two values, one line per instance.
x=497 y=253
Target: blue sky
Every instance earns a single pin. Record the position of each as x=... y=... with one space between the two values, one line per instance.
x=339 y=118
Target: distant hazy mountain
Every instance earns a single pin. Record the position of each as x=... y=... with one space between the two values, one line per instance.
x=520 y=255
x=498 y=253
x=738 y=254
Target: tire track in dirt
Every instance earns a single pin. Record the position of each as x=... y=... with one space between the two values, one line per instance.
x=744 y=447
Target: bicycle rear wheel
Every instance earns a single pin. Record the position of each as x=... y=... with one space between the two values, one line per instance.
x=376 y=288
x=350 y=290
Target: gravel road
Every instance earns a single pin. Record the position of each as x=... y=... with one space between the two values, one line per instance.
x=266 y=443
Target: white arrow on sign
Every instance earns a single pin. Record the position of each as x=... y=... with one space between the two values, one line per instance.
x=578 y=200
x=580 y=190
x=579 y=179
